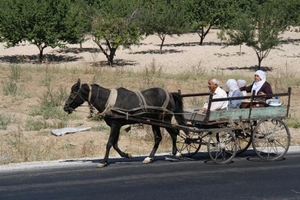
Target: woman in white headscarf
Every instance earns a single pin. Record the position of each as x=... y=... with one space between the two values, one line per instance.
x=233 y=91
x=242 y=83
x=260 y=85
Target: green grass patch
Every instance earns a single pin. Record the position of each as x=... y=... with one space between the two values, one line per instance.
x=293 y=123
x=5 y=121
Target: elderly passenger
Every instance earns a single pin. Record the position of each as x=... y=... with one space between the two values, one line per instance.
x=217 y=92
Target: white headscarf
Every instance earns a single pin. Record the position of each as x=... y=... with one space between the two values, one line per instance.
x=241 y=83
x=257 y=85
x=232 y=86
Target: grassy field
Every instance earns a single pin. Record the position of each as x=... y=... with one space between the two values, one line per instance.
x=32 y=98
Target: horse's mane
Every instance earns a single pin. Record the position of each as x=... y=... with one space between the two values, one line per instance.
x=95 y=84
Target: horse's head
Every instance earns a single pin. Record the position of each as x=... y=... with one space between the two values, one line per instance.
x=76 y=98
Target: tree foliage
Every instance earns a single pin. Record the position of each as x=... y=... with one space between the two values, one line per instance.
x=115 y=25
x=205 y=14
x=164 y=17
x=51 y=23
x=259 y=29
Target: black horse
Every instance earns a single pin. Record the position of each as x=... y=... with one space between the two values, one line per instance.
x=120 y=107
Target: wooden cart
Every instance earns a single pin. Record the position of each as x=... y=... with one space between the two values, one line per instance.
x=230 y=132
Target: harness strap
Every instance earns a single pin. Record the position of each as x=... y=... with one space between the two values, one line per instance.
x=90 y=94
x=167 y=100
x=142 y=100
x=110 y=103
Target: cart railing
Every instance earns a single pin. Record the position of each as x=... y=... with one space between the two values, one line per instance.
x=248 y=114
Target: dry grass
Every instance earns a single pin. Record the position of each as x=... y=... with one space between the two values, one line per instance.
x=32 y=99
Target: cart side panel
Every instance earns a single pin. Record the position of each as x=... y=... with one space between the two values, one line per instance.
x=256 y=113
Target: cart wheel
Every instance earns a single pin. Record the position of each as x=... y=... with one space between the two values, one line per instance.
x=189 y=145
x=243 y=138
x=222 y=146
x=271 y=139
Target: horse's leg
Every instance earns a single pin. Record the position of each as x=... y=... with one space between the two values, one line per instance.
x=113 y=136
x=157 y=140
x=173 y=133
x=116 y=147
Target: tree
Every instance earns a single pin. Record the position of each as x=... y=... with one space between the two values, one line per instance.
x=115 y=25
x=260 y=30
x=164 y=17
x=51 y=23
x=205 y=14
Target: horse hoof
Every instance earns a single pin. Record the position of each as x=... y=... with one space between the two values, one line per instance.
x=129 y=155
x=101 y=165
x=148 y=160
x=178 y=155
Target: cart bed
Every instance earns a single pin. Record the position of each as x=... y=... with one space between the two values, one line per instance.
x=236 y=115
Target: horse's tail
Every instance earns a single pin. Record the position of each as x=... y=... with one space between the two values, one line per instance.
x=178 y=112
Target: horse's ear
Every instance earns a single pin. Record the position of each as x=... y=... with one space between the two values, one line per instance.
x=79 y=83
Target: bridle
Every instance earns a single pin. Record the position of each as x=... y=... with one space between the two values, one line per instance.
x=89 y=100
x=72 y=98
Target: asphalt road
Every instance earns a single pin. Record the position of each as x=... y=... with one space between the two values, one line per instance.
x=247 y=177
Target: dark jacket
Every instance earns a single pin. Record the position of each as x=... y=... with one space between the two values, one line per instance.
x=265 y=88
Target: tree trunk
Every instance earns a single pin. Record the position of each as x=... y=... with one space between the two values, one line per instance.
x=201 y=40
x=259 y=63
x=110 y=57
x=80 y=47
x=203 y=34
x=162 y=44
x=41 y=55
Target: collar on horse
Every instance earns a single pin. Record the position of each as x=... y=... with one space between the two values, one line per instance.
x=110 y=103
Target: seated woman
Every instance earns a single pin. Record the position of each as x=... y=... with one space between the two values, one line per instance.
x=242 y=83
x=234 y=91
x=260 y=85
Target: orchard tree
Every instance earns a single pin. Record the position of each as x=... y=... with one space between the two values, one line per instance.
x=205 y=14
x=51 y=23
x=164 y=17
x=292 y=14
x=115 y=26
x=259 y=31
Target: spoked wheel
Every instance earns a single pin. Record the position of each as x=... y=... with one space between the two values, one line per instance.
x=271 y=139
x=243 y=136
x=222 y=146
x=189 y=145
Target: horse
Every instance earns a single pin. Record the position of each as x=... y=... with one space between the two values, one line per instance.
x=119 y=107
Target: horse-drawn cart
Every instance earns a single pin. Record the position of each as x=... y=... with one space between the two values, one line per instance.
x=230 y=132
x=224 y=132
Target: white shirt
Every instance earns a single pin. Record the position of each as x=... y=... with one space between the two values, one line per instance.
x=219 y=105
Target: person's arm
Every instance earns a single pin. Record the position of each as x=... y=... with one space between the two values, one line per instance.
x=247 y=88
x=267 y=88
x=214 y=105
x=203 y=109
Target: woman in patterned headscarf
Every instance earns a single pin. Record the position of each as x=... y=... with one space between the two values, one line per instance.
x=260 y=85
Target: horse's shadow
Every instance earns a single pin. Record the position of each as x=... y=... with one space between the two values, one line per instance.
x=248 y=155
